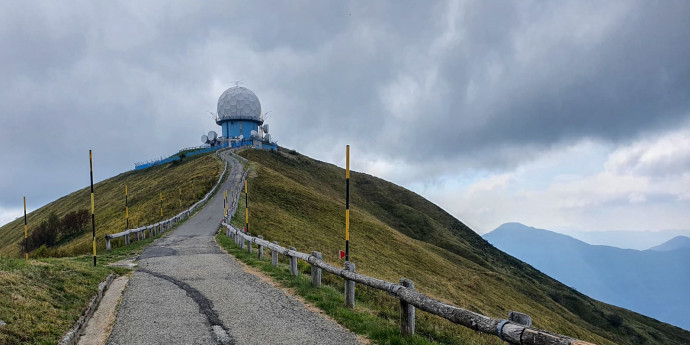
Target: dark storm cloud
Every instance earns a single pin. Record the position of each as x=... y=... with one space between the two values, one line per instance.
x=483 y=84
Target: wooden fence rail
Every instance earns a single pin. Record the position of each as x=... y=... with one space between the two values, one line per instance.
x=162 y=226
x=513 y=330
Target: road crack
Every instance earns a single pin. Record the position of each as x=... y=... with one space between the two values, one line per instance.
x=219 y=330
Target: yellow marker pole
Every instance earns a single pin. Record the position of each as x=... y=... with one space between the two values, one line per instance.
x=246 y=207
x=225 y=203
x=126 y=209
x=347 y=203
x=26 y=235
x=93 y=208
x=180 y=196
x=161 y=198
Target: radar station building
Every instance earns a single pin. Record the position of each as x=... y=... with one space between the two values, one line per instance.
x=241 y=121
x=242 y=124
x=239 y=115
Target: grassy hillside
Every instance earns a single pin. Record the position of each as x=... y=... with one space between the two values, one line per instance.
x=396 y=233
x=40 y=299
x=195 y=175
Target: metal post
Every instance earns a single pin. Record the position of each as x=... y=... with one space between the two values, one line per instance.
x=180 y=196
x=93 y=214
x=347 y=203
x=161 y=198
x=26 y=235
x=126 y=208
x=246 y=207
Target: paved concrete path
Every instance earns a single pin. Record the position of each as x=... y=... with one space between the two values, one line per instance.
x=188 y=291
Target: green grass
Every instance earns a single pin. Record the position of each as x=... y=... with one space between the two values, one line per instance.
x=396 y=233
x=376 y=315
x=40 y=299
x=195 y=175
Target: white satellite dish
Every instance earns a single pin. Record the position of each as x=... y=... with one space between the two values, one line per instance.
x=267 y=137
x=254 y=133
x=212 y=136
x=241 y=137
x=204 y=139
x=266 y=128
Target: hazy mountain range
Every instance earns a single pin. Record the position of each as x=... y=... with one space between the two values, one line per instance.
x=640 y=240
x=654 y=282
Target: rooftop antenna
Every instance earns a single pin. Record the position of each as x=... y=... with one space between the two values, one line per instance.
x=237 y=83
x=264 y=115
x=213 y=115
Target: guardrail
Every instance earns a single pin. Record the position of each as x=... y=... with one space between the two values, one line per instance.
x=515 y=330
x=160 y=227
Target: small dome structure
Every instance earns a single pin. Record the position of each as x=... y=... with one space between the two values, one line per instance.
x=239 y=103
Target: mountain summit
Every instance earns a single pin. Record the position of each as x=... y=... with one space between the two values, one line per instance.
x=676 y=243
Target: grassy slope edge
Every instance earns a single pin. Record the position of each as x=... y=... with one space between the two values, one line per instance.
x=40 y=299
x=299 y=202
x=195 y=175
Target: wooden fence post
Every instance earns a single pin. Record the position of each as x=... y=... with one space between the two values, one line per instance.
x=316 y=272
x=349 y=286
x=406 y=311
x=274 y=255
x=249 y=245
x=293 y=263
x=261 y=249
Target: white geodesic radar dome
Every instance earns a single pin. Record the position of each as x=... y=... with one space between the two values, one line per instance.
x=239 y=103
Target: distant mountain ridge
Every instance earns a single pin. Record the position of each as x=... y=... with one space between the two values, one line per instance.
x=676 y=243
x=639 y=240
x=653 y=282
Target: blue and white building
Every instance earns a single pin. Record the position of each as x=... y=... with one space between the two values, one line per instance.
x=242 y=123
x=239 y=113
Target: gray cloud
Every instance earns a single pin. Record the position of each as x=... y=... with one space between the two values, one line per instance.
x=481 y=84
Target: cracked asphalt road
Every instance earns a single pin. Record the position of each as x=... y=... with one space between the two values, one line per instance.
x=188 y=291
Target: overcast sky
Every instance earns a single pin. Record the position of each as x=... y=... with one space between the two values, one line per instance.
x=565 y=115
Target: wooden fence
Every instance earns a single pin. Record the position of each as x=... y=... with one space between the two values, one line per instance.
x=162 y=226
x=514 y=330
